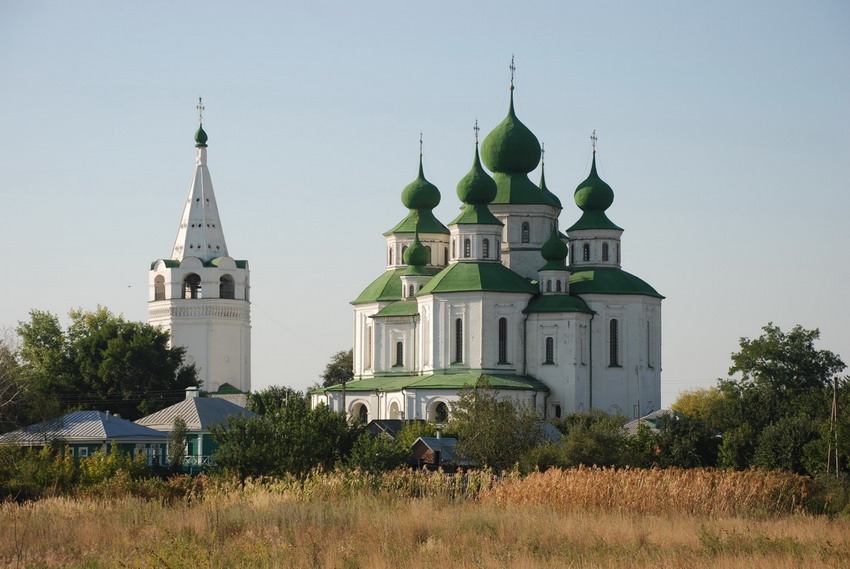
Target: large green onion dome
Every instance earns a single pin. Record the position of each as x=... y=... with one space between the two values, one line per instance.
x=477 y=187
x=420 y=193
x=201 y=138
x=593 y=194
x=554 y=250
x=417 y=254
x=511 y=147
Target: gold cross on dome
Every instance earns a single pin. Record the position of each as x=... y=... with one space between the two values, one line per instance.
x=512 y=67
x=476 y=129
x=420 y=144
x=593 y=140
x=200 y=107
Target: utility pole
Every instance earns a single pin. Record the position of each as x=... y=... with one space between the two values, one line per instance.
x=833 y=430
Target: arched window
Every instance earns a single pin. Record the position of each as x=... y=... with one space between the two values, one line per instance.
x=361 y=412
x=503 y=340
x=403 y=249
x=389 y=255
x=368 y=347
x=458 y=341
x=549 y=286
x=441 y=412
x=454 y=248
x=550 y=350
x=572 y=255
x=485 y=248
x=557 y=411
x=399 y=354
x=429 y=254
x=558 y=286
x=617 y=247
x=226 y=288
x=446 y=255
x=526 y=232
x=585 y=252
x=467 y=248
x=192 y=286
x=604 y=251
x=412 y=290
x=394 y=411
x=159 y=288
x=614 y=343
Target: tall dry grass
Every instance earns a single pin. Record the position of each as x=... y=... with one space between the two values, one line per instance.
x=655 y=491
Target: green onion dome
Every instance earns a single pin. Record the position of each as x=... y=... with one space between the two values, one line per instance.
x=417 y=255
x=201 y=138
x=420 y=193
x=511 y=146
x=594 y=194
x=554 y=249
x=477 y=187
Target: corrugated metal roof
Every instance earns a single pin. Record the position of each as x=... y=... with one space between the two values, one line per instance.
x=84 y=426
x=199 y=413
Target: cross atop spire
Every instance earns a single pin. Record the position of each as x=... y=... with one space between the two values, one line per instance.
x=476 y=129
x=543 y=153
x=420 y=144
x=512 y=67
x=200 y=107
x=593 y=140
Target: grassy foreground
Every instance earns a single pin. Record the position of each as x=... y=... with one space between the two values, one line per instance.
x=417 y=520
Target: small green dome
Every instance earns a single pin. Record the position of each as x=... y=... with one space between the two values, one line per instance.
x=201 y=138
x=554 y=249
x=420 y=193
x=477 y=187
x=594 y=194
x=417 y=255
x=511 y=146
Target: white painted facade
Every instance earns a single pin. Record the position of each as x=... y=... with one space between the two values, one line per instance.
x=201 y=295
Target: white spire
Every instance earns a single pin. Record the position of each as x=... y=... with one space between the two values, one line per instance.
x=200 y=233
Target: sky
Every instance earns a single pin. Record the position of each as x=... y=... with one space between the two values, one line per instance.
x=724 y=130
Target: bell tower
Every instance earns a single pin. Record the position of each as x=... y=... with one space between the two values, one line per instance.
x=201 y=294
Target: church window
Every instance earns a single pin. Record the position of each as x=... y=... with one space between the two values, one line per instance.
x=526 y=232
x=467 y=248
x=445 y=255
x=389 y=255
x=429 y=253
x=192 y=286
x=550 y=350
x=614 y=343
x=558 y=286
x=604 y=251
x=549 y=286
x=368 y=347
x=403 y=249
x=159 y=288
x=617 y=247
x=572 y=255
x=503 y=340
x=585 y=252
x=648 y=345
x=557 y=411
x=226 y=288
x=458 y=341
x=361 y=412
x=399 y=354
x=485 y=248
x=441 y=412
x=412 y=290
x=454 y=248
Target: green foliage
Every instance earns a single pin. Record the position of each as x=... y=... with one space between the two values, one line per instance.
x=271 y=399
x=177 y=444
x=377 y=453
x=641 y=450
x=100 y=362
x=295 y=439
x=781 y=444
x=711 y=406
x=101 y=466
x=736 y=450
x=493 y=432
x=412 y=430
x=11 y=388
x=340 y=369
x=686 y=442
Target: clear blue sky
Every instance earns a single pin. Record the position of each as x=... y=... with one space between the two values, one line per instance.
x=724 y=129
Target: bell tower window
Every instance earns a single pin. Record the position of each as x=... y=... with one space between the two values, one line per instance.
x=526 y=232
x=192 y=286
x=604 y=251
x=226 y=288
x=550 y=350
x=585 y=252
x=485 y=248
x=159 y=288
x=467 y=248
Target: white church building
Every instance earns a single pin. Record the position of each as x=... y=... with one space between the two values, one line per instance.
x=202 y=295
x=504 y=293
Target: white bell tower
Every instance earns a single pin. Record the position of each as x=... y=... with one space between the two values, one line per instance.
x=201 y=294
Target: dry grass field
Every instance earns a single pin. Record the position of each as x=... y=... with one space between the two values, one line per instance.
x=422 y=521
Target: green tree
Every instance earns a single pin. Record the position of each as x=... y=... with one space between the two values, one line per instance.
x=247 y=446
x=736 y=450
x=713 y=406
x=686 y=442
x=593 y=438
x=11 y=388
x=782 y=444
x=493 y=432
x=641 y=450
x=412 y=430
x=377 y=453
x=100 y=362
x=340 y=369
x=177 y=444
x=271 y=399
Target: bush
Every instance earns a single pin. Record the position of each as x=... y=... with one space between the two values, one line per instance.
x=377 y=453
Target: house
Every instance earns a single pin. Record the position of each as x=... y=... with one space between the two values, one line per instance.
x=651 y=420
x=437 y=452
x=199 y=413
x=84 y=432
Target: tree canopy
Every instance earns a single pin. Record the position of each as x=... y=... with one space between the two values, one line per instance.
x=340 y=369
x=101 y=361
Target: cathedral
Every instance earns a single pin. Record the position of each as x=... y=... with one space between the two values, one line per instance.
x=504 y=295
x=200 y=294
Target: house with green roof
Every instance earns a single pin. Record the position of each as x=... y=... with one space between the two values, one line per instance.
x=503 y=295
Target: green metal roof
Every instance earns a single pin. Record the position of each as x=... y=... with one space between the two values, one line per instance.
x=593 y=219
x=400 y=308
x=386 y=288
x=475 y=214
x=169 y=263
x=443 y=381
x=474 y=276
x=428 y=223
x=557 y=303
x=553 y=266
x=607 y=280
x=215 y=262
x=516 y=188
